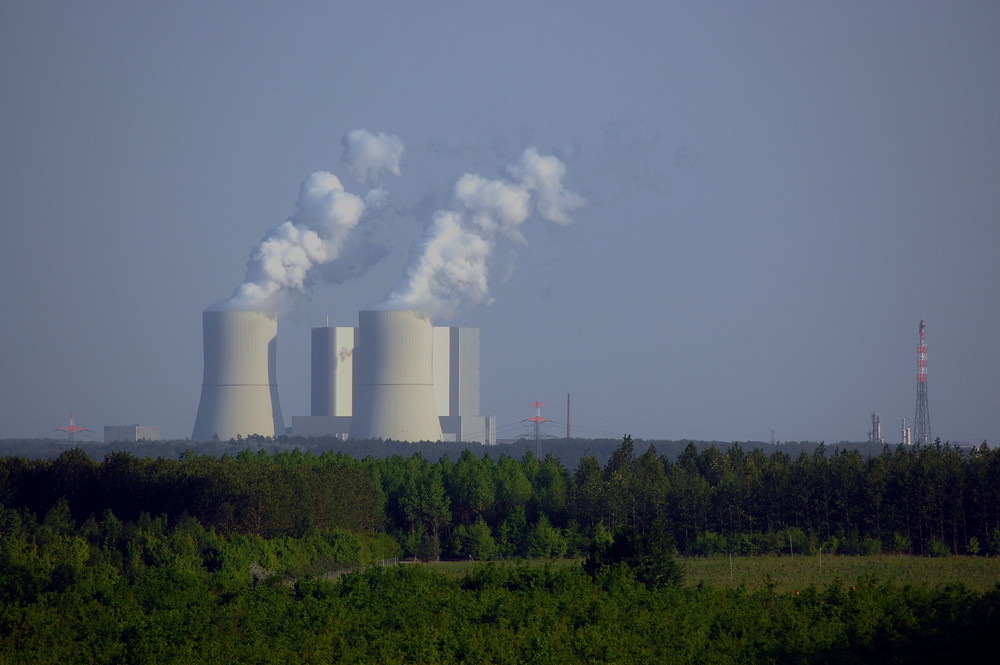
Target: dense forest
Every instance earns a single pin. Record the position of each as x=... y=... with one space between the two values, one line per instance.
x=926 y=499
x=265 y=557
x=182 y=595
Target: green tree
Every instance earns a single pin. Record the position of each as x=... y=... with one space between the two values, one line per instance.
x=513 y=489
x=588 y=492
x=650 y=556
x=545 y=540
x=475 y=541
x=471 y=487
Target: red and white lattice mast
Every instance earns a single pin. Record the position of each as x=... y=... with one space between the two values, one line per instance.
x=537 y=419
x=71 y=429
x=922 y=416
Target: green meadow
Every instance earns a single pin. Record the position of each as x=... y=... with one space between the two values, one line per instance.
x=789 y=573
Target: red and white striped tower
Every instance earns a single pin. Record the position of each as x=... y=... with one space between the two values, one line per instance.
x=538 y=419
x=71 y=429
x=922 y=416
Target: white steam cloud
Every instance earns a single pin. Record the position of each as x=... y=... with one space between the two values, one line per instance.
x=325 y=214
x=449 y=267
x=369 y=155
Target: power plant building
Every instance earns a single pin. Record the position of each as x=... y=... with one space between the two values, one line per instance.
x=402 y=379
x=456 y=384
x=239 y=392
x=131 y=433
x=332 y=371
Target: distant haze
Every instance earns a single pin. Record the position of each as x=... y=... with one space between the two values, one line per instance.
x=703 y=220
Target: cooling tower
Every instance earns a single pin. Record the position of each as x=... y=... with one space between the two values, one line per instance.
x=239 y=392
x=394 y=377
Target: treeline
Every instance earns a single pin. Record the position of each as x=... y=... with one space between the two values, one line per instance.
x=568 y=451
x=926 y=499
x=931 y=500
x=284 y=494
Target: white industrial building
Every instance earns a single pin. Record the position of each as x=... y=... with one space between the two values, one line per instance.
x=131 y=433
x=396 y=377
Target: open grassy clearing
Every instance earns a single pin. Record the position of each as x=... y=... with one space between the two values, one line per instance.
x=788 y=573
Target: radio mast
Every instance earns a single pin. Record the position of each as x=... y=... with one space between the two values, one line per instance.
x=922 y=416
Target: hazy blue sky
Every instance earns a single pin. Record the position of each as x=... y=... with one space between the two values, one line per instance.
x=777 y=193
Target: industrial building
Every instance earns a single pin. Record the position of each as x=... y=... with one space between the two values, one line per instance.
x=131 y=433
x=239 y=391
x=396 y=376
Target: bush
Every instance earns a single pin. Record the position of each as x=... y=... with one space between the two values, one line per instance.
x=995 y=542
x=938 y=549
x=474 y=541
x=792 y=540
x=545 y=540
x=708 y=543
x=650 y=557
x=860 y=546
x=747 y=544
x=901 y=543
x=429 y=548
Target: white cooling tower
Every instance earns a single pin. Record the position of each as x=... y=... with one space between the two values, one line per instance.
x=239 y=392
x=394 y=377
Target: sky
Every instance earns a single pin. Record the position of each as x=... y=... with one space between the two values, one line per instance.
x=772 y=195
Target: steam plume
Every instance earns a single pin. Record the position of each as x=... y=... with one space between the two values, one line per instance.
x=449 y=267
x=316 y=233
x=369 y=155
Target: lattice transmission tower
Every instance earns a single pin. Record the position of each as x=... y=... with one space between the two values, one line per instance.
x=538 y=419
x=922 y=416
x=71 y=429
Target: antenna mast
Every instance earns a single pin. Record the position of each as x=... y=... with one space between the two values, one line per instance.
x=922 y=417
x=569 y=419
x=71 y=429
x=537 y=419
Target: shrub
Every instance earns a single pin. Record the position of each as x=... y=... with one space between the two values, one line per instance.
x=649 y=557
x=474 y=541
x=995 y=542
x=708 y=543
x=870 y=546
x=429 y=548
x=901 y=543
x=938 y=548
x=545 y=540
x=747 y=544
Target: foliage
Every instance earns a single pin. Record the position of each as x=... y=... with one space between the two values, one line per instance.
x=274 y=558
x=924 y=499
x=151 y=592
x=649 y=557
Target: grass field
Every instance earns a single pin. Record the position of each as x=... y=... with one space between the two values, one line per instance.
x=788 y=573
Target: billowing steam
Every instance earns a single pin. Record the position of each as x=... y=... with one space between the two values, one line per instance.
x=369 y=155
x=315 y=235
x=449 y=267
